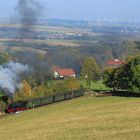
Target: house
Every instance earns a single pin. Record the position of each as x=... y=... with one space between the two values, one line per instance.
x=115 y=62
x=62 y=73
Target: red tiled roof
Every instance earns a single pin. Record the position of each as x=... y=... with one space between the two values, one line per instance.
x=115 y=62
x=65 y=72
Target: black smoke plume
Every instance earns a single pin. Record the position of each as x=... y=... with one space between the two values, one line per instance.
x=28 y=13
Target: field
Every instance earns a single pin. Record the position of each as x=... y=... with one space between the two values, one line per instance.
x=59 y=29
x=86 y=118
x=52 y=42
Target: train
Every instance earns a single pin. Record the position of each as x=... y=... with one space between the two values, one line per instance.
x=23 y=105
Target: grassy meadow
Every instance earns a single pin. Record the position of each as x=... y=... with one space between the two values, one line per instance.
x=85 y=118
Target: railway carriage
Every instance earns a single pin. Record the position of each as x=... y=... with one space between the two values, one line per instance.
x=32 y=103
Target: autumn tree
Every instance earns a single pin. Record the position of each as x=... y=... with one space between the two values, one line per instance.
x=60 y=87
x=90 y=70
x=24 y=93
x=72 y=84
x=4 y=58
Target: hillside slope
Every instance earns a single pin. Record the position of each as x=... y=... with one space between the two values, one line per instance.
x=86 y=118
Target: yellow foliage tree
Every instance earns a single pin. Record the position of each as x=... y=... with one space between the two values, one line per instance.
x=24 y=93
x=26 y=90
x=72 y=84
x=40 y=90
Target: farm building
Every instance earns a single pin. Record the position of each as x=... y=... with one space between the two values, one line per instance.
x=115 y=62
x=62 y=73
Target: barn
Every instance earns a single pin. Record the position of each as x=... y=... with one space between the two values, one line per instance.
x=63 y=72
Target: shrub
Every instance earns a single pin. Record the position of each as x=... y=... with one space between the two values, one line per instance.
x=24 y=93
x=2 y=106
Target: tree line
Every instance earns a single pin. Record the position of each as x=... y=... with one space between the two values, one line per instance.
x=126 y=77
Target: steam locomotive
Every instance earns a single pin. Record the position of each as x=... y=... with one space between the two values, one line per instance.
x=32 y=103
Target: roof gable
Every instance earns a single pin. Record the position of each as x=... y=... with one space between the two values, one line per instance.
x=115 y=62
x=66 y=72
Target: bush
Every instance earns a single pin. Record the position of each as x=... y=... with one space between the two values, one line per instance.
x=2 y=106
x=69 y=84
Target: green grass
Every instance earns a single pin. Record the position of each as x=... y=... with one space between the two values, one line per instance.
x=95 y=85
x=86 y=118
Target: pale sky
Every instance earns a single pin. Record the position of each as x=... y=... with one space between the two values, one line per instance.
x=81 y=9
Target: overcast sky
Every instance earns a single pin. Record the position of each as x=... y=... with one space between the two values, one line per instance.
x=81 y=9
